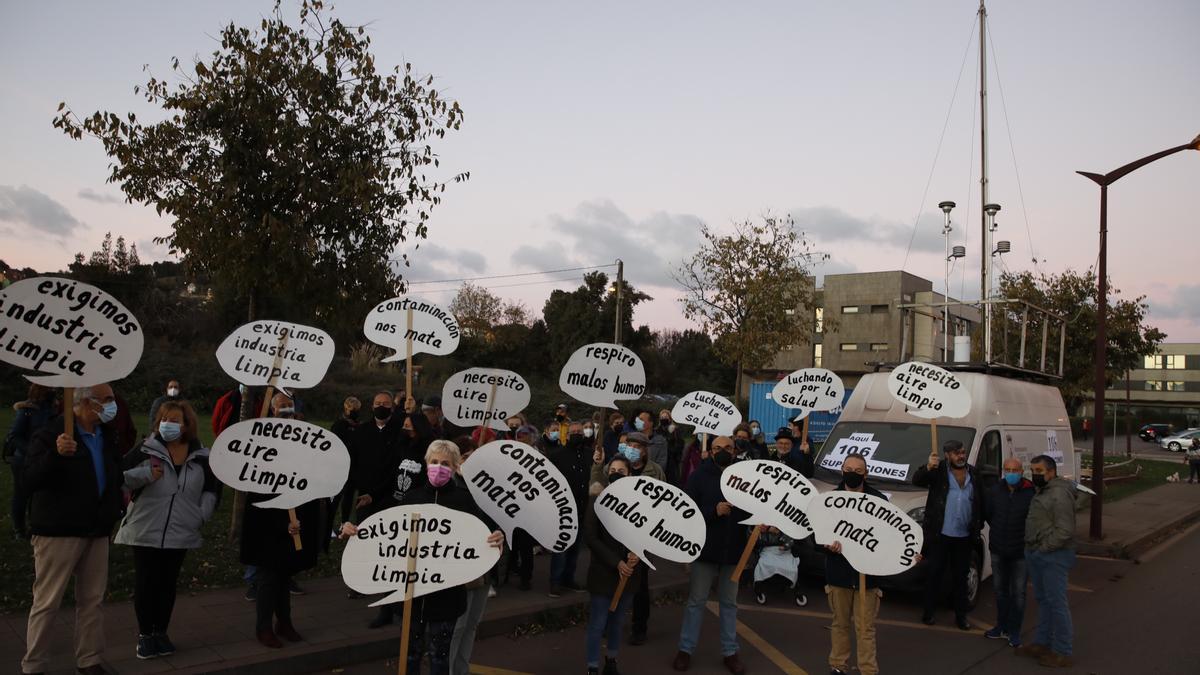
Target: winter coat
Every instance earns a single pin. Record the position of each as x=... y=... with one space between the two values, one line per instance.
x=838 y=571
x=168 y=512
x=606 y=552
x=725 y=535
x=29 y=417
x=1051 y=522
x=799 y=461
x=1005 y=512
x=266 y=542
x=691 y=462
x=600 y=473
x=65 y=501
x=658 y=452
x=575 y=462
x=938 y=482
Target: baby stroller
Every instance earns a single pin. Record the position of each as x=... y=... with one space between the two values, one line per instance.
x=778 y=555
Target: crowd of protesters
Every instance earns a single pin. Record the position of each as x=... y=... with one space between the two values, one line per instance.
x=72 y=491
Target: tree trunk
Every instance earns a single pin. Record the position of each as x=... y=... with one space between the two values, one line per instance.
x=737 y=386
x=244 y=413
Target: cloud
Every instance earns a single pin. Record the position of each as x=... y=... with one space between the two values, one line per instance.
x=828 y=225
x=36 y=210
x=1184 y=304
x=93 y=196
x=431 y=262
x=831 y=266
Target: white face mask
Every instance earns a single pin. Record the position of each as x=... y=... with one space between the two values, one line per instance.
x=173 y=391
x=588 y=432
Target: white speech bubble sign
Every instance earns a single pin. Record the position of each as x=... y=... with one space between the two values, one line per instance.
x=250 y=355
x=772 y=493
x=451 y=550
x=74 y=334
x=600 y=374
x=295 y=460
x=877 y=537
x=650 y=516
x=516 y=486
x=928 y=391
x=434 y=329
x=484 y=397
x=707 y=412
x=810 y=390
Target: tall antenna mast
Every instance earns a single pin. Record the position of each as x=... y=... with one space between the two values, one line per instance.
x=985 y=256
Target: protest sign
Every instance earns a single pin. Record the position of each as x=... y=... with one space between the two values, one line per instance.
x=865 y=444
x=70 y=334
x=484 y=397
x=772 y=493
x=395 y=552
x=928 y=391
x=279 y=354
x=516 y=486
x=601 y=374
x=296 y=461
x=877 y=537
x=808 y=390
x=651 y=516
x=707 y=412
x=433 y=329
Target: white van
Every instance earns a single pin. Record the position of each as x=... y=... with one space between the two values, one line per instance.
x=1008 y=417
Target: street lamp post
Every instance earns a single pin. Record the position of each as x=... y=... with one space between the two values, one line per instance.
x=1104 y=180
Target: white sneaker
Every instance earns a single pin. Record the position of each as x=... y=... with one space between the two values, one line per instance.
x=491 y=591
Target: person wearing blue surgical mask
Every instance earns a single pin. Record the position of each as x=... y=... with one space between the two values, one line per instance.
x=1005 y=508
x=177 y=493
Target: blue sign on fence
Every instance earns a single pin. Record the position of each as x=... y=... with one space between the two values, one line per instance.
x=772 y=416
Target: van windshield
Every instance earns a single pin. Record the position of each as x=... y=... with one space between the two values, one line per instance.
x=893 y=450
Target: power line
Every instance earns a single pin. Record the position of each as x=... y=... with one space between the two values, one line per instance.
x=510 y=276
x=525 y=283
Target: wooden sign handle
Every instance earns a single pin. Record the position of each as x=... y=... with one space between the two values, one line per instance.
x=862 y=594
x=406 y=621
x=933 y=445
x=741 y=565
x=69 y=412
x=804 y=430
x=612 y=607
x=408 y=367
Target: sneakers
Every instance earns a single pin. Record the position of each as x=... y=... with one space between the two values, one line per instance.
x=1055 y=660
x=683 y=661
x=251 y=593
x=734 y=665
x=555 y=591
x=146 y=648
x=1014 y=641
x=294 y=588
x=637 y=638
x=1033 y=651
x=163 y=645
x=610 y=667
x=995 y=634
x=962 y=623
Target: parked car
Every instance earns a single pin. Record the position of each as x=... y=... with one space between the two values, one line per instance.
x=1180 y=441
x=1153 y=432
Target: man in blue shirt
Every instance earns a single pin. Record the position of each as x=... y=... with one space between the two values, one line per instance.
x=952 y=523
x=74 y=483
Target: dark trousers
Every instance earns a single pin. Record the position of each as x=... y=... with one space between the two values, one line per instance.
x=439 y=634
x=20 y=497
x=155 y=574
x=953 y=553
x=641 y=610
x=273 y=598
x=521 y=557
x=562 y=565
x=1195 y=474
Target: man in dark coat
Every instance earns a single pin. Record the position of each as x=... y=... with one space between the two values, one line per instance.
x=74 y=483
x=574 y=460
x=723 y=544
x=795 y=458
x=1005 y=508
x=952 y=523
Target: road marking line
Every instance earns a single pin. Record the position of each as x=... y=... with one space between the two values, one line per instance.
x=878 y=622
x=782 y=662
x=1101 y=557
x=1153 y=553
x=1081 y=589
x=477 y=669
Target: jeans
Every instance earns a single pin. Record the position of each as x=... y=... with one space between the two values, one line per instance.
x=463 y=640
x=1008 y=578
x=562 y=565
x=1048 y=571
x=605 y=624
x=156 y=573
x=943 y=552
x=701 y=580
x=439 y=633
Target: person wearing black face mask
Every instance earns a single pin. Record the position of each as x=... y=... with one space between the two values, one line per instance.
x=574 y=460
x=344 y=427
x=842 y=588
x=373 y=447
x=1049 y=556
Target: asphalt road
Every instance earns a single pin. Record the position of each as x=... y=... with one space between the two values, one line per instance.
x=1130 y=617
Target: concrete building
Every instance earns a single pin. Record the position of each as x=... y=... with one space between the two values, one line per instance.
x=1165 y=389
x=868 y=326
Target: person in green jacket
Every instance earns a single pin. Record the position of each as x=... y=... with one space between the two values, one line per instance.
x=635 y=446
x=1049 y=557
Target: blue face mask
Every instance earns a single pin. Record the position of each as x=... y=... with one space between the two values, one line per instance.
x=631 y=453
x=170 y=431
x=1012 y=478
x=553 y=435
x=639 y=424
x=108 y=412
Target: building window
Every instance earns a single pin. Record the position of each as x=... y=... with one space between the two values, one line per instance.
x=1175 y=361
x=1174 y=386
x=1153 y=362
x=849 y=346
x=819 y=315
x=817 y=355
x=879 y=346
x=849 y=309
x=879 y=309
x=1154 y=385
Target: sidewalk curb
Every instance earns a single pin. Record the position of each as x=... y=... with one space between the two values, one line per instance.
x=1129 y=550
x=375 y=645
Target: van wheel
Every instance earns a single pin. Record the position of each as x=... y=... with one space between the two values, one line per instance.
x=974 y=578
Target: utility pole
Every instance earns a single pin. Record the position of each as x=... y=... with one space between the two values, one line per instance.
x=617 y=313
x=985 y=254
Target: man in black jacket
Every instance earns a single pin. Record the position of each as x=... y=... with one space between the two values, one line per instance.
x=797 y=459
x=75 y=487
x=953 y=521
x=1005 y=507
x=725 y=538
x=574 y=460
x=842 y=588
